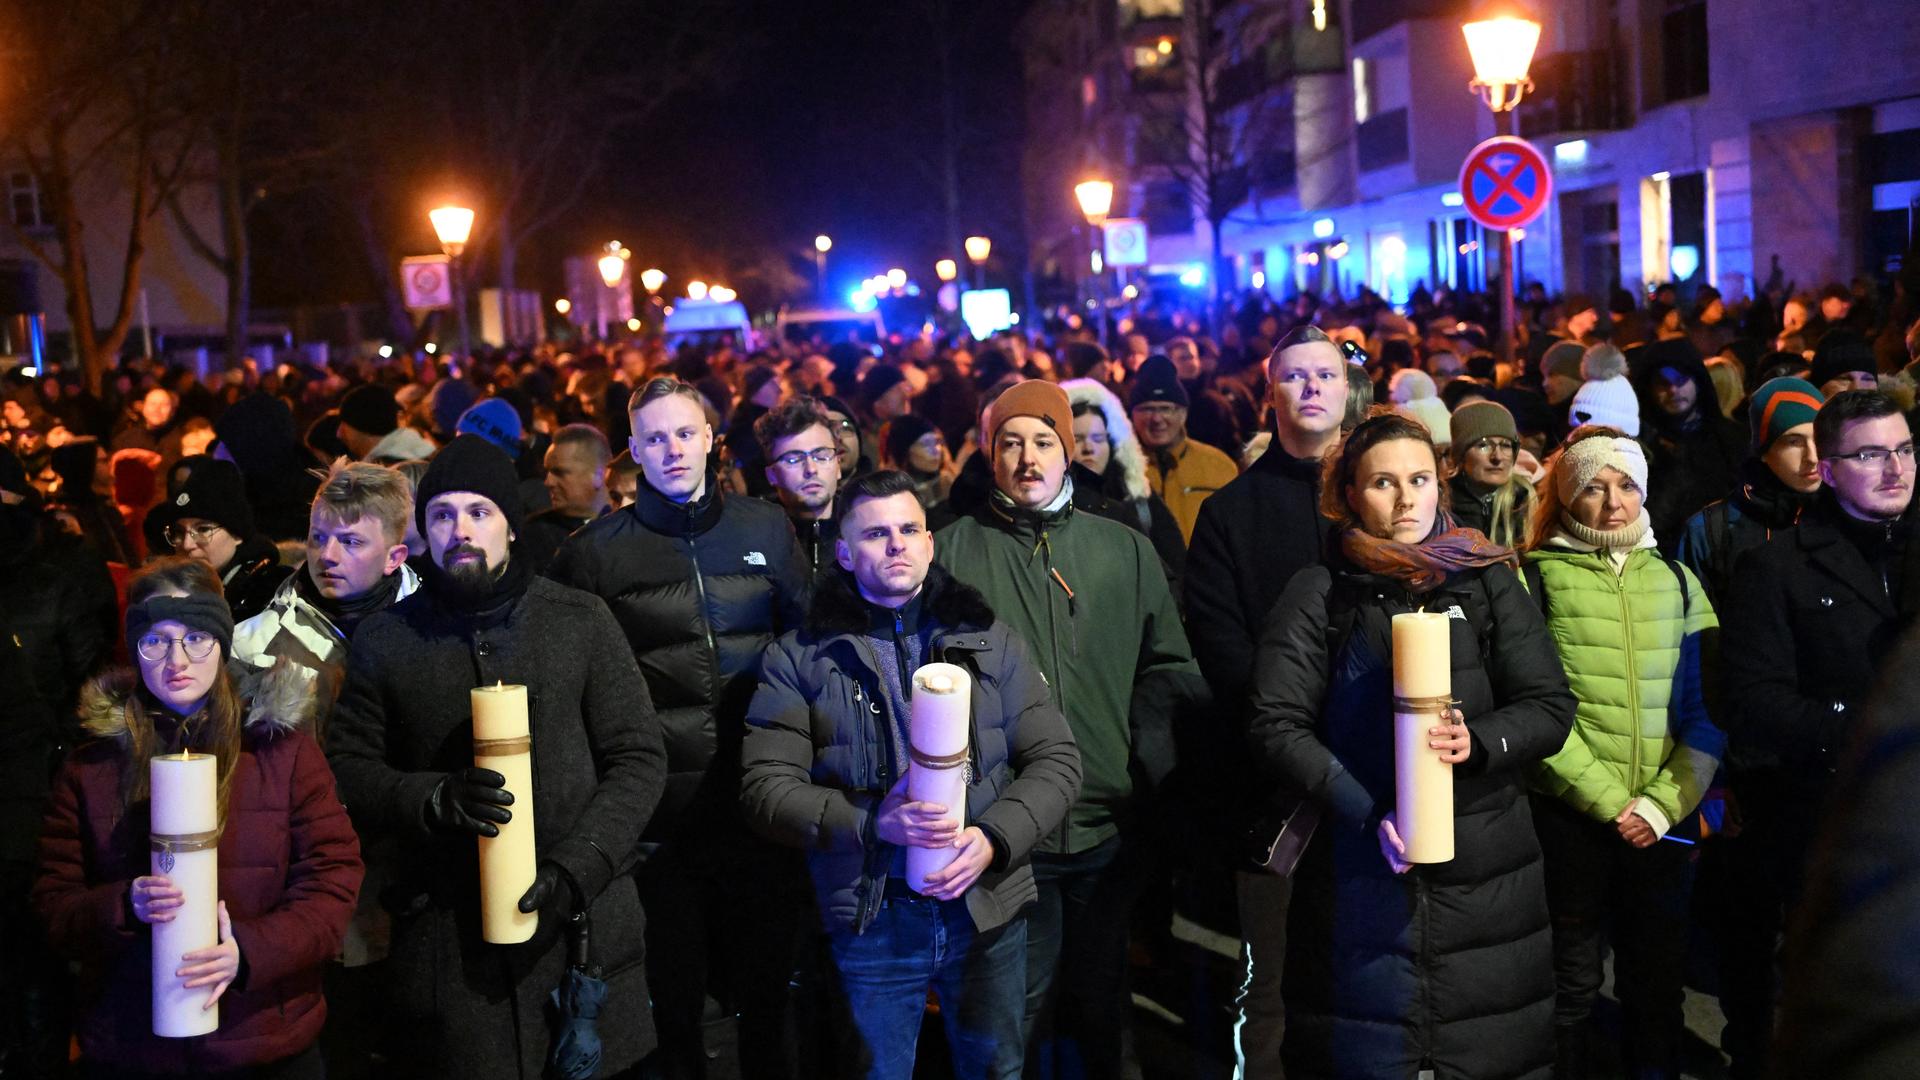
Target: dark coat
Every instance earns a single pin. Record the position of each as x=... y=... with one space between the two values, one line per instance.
x=404 y=721
x=289 y=874
x=57 y=619
x=252 y=577
x=1690 y=463
x=1808 y=626
x=1452 y=962
x=698 y=590
x=1715 y=538
x=820 y=752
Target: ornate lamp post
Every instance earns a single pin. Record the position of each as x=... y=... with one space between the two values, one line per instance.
x=978 y=248
x=453 y=225
x=1502 y=51
x=1095 y=197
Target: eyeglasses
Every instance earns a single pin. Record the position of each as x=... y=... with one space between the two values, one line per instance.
x=1494 y=445
x=198 y=645
x=792 y=458
x=201 y=533
x=1875 y=457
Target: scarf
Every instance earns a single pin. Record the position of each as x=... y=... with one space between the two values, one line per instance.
x=1632 y=536
x=1427 y=565
x=347 y=614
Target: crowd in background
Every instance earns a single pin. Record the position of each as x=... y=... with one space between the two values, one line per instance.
x=1675 y=534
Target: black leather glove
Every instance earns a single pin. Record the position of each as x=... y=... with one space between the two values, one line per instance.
x=546 y=883
x=473 y=801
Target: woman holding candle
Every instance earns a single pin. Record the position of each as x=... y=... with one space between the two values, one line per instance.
x=289 y=862
x=1393 y=968
x=1628 y=624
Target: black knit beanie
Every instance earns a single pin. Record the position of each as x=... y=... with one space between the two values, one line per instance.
x=471 y=463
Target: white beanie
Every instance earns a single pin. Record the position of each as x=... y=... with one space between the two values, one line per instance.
x=1606 y=397
x=1432 y=414
x=1410 y=384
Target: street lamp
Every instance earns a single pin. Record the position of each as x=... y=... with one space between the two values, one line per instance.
x=454 y=226
x=562 y=306
x=896 y=278
x=613 y=270
x=652 y=278
x=1502 y=51
x=946 y=270
x=821 y=245
x=696 y=290
x=1095 y=197
x=978 y=248
x=720 y=294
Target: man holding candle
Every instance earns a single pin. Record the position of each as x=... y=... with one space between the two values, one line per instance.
x=403 y=745
x=288 y=862
x=1090 y=597
x=826 y=761
x=700 y=582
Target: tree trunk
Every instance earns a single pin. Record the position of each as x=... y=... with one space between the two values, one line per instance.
x=381 y=266
x=238 y=263
x=509 y=253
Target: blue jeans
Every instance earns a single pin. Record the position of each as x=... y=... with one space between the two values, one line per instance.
x=914 y=945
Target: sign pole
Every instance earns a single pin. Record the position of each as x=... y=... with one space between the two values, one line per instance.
x=1503 y=125
x=1505 y=183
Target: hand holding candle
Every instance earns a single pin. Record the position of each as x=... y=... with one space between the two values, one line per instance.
x=1422 y=711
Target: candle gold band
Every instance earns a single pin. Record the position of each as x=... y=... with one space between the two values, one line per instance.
x=502 y=747
x=1423 y=704
x=943 y=761
x=183 y=842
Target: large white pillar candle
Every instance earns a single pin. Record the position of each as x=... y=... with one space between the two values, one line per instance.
x=942 y=703
x=185 y=848
x=502 y=742
x=1422 y=688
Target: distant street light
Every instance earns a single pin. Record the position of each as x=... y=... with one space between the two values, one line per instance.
x=453 y=225
x=696 y=290
x=562 y=306
x=821 y=245
x=613 y=272
x=1095 y=198
x=720 y=294
x=896 y=278
x=946 y=270
x=1502 y=51
x=978 y=248
x=612 y=269
x=652 y=278
x=633 y=325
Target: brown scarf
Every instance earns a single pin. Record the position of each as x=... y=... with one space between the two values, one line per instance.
x=1425 y=566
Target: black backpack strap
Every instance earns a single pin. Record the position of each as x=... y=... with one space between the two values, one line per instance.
x=1680 y=575
x=1536 y=584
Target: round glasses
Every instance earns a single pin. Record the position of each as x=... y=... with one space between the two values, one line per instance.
x=198 y=645
x=792 y=458
x=177 y=536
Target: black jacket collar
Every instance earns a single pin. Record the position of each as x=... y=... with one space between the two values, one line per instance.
x=662 y=515
x=952 y=605
x=1277 y=462
x=1823 y=536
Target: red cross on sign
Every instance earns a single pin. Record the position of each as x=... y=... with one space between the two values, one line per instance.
x=1505 y=183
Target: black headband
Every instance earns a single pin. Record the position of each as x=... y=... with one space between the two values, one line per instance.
x=197 y=611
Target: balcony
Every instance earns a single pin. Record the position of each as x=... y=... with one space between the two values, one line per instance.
x=1574 y=92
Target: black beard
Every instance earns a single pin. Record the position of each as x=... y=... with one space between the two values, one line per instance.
x=470 y=582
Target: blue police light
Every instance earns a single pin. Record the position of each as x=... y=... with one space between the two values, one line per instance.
x=1194 y=276
x=863 y=301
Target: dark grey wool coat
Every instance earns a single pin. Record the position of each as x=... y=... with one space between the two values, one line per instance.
x=474 y=1010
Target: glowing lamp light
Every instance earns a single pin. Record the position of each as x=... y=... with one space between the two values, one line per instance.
x=1684 y=261
x=720 y=294
x=385 y=352
x=1164 y=46
x=1013 y=318
x=633 y=325
x=823 y=243
x=1393 y=249
x=30 y=372
x=897 y=278
x=1319 y=16
x=978 y=248
x=1097 y=262
x=652 y=278
x=612 y=269
x=1095 y=198
x=1502 y=49
x=1194 y=276
x=1519 y=235
x=432 y=348
x=562 y=306
x=1661 y=177
x=696 y=290
x=1322 y=228
x=1452 y=198
x=1338 y=251
x=1259 y=279
x=946 y=270
x=453 y=225
x=1130 y=292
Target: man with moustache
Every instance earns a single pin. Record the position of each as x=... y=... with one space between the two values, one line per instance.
x=700 y=582
x=803 y=466
x=1089 y=596
x=401 y=746
x=1251 y=537
x=1812 y=618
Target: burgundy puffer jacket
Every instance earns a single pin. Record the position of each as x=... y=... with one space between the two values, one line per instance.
x=289 y=872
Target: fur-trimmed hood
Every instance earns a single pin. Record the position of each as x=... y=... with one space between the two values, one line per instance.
x=1127 y=455
x=838 y=609
x=279 y=700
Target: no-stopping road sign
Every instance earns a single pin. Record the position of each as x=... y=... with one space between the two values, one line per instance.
x=1505 y=183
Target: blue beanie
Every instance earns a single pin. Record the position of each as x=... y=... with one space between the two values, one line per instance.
x=495 y=421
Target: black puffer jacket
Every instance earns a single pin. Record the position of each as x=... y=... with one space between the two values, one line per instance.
x=1691 y=460
x=819 y=755
x=1448 y=966
x=699 y=590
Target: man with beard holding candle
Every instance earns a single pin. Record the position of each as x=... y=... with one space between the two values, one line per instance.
x=1091 y=600
x=1812 y=616
x=401 y=743
x=700 y=582
x=827 y=773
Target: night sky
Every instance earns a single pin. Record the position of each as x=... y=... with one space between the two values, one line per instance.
x=819 y=117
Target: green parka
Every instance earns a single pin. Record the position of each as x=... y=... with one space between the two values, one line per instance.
x=1630 y=642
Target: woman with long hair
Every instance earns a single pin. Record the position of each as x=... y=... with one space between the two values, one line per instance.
x=1628 y=624
x=1394 y=968
x=289 y=860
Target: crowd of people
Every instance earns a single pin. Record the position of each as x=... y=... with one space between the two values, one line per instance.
x=1672 y=543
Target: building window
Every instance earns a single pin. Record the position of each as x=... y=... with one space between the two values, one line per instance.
x=24 y=204
x=1132 y=11
x=1683 y=49
x=1362 y=90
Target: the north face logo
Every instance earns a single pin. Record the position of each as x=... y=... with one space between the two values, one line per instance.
x=754 y=558
x=183 y=500
x=1454 y=612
